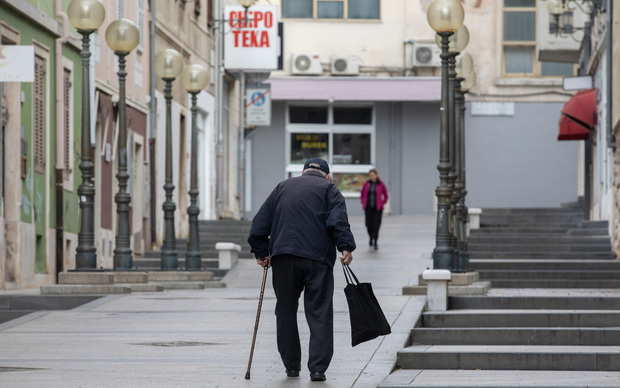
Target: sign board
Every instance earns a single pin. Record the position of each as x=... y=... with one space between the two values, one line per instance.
x=16 y=63
x=258 y=106
x=251 y=45
x=577 y=83
x=482 y=108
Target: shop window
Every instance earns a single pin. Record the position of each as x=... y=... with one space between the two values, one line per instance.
x=352 y=115
x=308 y=114
x=351 y=148
x=342 y=135
x=309 y=145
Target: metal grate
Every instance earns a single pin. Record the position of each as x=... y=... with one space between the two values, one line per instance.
x=39 y=151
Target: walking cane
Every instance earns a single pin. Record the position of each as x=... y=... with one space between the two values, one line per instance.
x=260 y=305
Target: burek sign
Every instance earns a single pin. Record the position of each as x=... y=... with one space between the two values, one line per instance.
x=251 y=45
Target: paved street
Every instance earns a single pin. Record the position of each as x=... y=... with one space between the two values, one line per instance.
x=202 y=338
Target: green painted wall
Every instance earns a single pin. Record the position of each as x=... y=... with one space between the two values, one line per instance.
x=36 y=188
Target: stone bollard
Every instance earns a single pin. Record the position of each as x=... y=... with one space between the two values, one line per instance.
x=437 y=294
x=474 y=218
x=228 y=254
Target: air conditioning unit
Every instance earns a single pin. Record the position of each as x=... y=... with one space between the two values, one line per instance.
x=426 y=55
x=345 y=65
x=306 y=64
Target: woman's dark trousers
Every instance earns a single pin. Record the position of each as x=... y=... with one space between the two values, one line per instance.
x=291 y=276
x=373 y=222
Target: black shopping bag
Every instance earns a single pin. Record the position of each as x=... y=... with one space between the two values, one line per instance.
x=367 y=318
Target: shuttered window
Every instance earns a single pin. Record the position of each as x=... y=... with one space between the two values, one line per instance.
x=66 y=122
x=38 y=120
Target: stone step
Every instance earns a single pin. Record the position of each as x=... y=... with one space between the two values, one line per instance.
x=490 y=357
x=543 y=231
x=521 y=318
x=530 y=210
x=527 y=246
x=537 y=274
x=576 y=265
x=535 y=238
x=437 y=378
x=554 y=283
x=517 y=336
x=534 y=302
x=541 y=255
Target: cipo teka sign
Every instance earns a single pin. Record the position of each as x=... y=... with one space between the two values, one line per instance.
x=251 y=45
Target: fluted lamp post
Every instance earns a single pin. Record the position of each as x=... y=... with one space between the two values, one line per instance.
x=194 y=79
x=86 y=16
x=168 y=65
x=456 y=43
x=122 y=37
x=464 y=67
x=445 y=17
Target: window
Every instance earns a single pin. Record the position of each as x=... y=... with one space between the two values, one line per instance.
x=342 y=135
x=331 y=9
x=519 y=43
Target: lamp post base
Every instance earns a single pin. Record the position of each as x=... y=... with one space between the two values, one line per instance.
x=86 y=261
x=169 y=261
x=442 y=258
x=193 y=261
x=123 y=260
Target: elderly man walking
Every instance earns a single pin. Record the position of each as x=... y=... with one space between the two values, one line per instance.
x=296 y=232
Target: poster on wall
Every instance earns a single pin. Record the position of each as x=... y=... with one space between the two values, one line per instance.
x=251 y=40
x=16 y=63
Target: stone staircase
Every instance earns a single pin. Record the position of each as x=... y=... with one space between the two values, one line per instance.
x=552 y=315
x=210 y=233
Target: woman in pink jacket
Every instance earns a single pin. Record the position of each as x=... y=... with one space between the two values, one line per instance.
x=374 y=196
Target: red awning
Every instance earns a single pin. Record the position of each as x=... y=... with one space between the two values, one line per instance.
x=582 y=108
x=571 y=130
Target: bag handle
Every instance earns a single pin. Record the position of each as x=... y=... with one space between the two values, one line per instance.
x=349 y=275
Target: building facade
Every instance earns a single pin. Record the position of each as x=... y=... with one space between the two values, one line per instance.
x=370 y=99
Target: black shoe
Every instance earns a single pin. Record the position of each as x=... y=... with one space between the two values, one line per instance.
x=317 y=376
x=294 y=372
x=376 y=246
x=370 y=242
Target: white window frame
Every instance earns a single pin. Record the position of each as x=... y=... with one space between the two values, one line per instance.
x=330 y=128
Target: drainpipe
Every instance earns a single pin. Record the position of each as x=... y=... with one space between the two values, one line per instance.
x=611 y=141
x=59 y=79
x=152 y=118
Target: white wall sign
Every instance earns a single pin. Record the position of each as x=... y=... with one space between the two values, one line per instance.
x=258 y=106
x=252 y=45
x=16 y=63
x=479 y=108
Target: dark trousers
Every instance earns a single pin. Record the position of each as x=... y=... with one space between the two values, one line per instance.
x=291 y=276
x=373 y=222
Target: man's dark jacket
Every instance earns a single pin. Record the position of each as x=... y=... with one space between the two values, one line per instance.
x=304 y=216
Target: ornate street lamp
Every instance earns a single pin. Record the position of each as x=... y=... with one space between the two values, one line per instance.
x=168 y=64
x=86 y=16
x=464 y=66
x=469 y=80
x=122 y=37
x=194 y=79
x=445 y=17
x=456 y=44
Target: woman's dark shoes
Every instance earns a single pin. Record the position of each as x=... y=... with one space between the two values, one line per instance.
x=370 y=242
x=376 y=246
x=317 y=376
x=293 y=372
